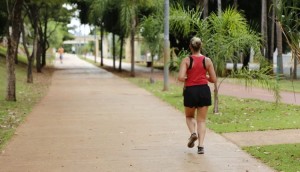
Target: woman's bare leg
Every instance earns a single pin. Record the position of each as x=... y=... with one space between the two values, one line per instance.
x=190 y=119
x=201 y=124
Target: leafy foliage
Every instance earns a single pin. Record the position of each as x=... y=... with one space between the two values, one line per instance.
x=288 y=17
x=229 y=36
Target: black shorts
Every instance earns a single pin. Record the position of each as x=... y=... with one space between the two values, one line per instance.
x=197 y=96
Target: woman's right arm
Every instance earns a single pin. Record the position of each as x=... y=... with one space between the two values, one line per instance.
x=182 y=70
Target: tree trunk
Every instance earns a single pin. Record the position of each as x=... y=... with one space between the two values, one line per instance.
x=246 y=59
x=38 y=56
x=13 y=35
x=132 y=46
x=102 y=35
x=219 y=8
x=114 y=51
x=216 y=99
x=31 y=60
x=166 y=45
x=34 y=15
x=203 y=4
x=279 y=49
x=235 y=3
x=17 y=48
x=271 y=31
x=264 y=27
x=152 y=69
x=29 y=57
x=121 y=53
x=10 y=69
x=205 y=9
x=44 y=38
x=294 y=54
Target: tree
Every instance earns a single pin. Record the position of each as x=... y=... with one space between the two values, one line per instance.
x=14 y=9
x=152 y=33
x=96 y=16
x=289 y=23
x=222 y=38
x=264 y=26
x=130 y=13
x=279 y=39
x=51 y=11
x=32 y=10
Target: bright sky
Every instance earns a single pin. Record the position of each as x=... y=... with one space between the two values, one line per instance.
x=79 y=29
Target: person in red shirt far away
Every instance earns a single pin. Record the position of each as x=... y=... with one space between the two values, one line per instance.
x=196 y=71
x=61 y=53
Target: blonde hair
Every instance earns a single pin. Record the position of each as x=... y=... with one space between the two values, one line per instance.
x=195 y=43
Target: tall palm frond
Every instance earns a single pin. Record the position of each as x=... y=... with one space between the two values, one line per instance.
x=289 y=22
x=184 y=21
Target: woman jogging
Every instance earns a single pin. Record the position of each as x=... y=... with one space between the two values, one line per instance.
x=196 y=71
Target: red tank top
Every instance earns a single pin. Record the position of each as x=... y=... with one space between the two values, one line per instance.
x=197 y=74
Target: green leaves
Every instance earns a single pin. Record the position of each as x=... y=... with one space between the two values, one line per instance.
x=184 y=21
x=229 y=35
x=287 y=12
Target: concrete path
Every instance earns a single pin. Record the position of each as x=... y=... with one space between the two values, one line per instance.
x=91 y=120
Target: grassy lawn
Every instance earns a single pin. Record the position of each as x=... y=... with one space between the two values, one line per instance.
x=13 y=113
x=284 y=158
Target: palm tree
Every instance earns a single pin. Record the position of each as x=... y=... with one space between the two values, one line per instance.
x=289 y=23
x=151 y=27
x=222 y=37
x=219 y=7
x=264 y=26
x=279 y=41
x=97 y=11
x=128 y=22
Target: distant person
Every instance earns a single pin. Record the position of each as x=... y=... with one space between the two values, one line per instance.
x=61 y=53
x=197 y=96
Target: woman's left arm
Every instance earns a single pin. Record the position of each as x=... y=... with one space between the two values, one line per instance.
x=211 y=71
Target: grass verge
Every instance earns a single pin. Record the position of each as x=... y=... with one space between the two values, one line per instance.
x=13 y=113
x=284 y=158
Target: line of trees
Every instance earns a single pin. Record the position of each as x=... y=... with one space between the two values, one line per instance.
x=33 y=22
x=127 y=18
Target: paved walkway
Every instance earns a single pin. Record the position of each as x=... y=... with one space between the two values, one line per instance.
x=91 y=120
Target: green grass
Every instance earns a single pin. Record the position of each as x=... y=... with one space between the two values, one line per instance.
x=284 y=158
x=236 y=115
x=289 y=85
x=13 y=113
